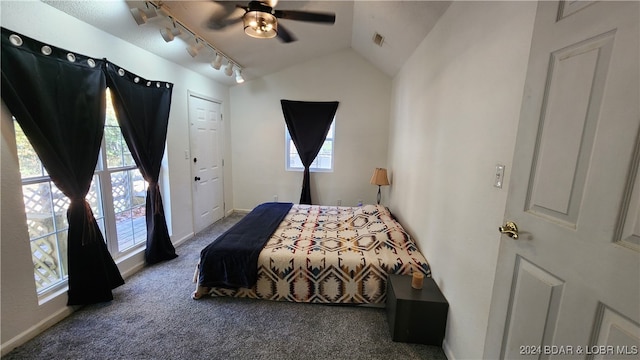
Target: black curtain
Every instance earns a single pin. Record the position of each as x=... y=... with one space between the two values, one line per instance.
x=308 y=123
x=58 y=98
x=142 y=109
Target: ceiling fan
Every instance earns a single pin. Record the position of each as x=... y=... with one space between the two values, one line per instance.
x=260 y=19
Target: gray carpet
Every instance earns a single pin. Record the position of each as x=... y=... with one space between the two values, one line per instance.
x=154 y=317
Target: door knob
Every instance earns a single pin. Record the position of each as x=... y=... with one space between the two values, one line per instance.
x=197 y=178
x=510 y=228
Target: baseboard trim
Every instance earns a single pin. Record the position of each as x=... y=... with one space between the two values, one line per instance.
x=132 y=270
x=35 y=330
x=447 y=350
x=241 y=211
x=184 y=238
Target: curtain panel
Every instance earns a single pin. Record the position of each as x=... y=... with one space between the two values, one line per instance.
x=142 y=109
x=58 y=98
x=308 y=123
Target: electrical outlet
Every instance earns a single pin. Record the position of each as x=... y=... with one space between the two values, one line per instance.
x=275 y=198
x=339 y=202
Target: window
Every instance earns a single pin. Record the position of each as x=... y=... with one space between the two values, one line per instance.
x=128 y=189
x=324 y=160
x=116 y=196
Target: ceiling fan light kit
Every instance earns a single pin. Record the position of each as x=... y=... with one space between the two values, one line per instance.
x=260 y=20
x=259 y=24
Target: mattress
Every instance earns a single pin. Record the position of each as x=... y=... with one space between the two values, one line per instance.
x=330 y=254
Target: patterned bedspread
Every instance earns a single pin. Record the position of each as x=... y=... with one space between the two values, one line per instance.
x=329 y=254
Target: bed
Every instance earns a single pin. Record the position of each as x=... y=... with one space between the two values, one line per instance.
x=315 y=254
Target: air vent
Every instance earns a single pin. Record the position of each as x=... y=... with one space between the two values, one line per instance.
x=378 y=39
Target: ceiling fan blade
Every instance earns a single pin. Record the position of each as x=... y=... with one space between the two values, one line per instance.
x=325 y=18
x=285 y=35
x=219 y=24
x=223 y=16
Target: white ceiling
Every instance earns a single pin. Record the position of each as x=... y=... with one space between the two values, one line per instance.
x=404 y=24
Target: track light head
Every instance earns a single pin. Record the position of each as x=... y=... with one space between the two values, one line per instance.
x=229 y=69
x=142 y=15
x=168 y=34
x=239 y=78
x=139 y=16
x=194 y=49
x=217 y=63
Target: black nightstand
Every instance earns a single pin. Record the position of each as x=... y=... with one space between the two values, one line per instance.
x=416 y=316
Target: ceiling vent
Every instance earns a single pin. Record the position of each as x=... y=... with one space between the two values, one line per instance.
x=378 y=39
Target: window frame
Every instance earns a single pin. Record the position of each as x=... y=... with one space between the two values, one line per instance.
x=288 y=143
x=104 y=210
x=105 y=173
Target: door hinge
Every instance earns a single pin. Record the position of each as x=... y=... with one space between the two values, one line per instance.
x=222 y=162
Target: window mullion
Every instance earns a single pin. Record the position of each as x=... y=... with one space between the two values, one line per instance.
x=104 y=177
x=59 y=269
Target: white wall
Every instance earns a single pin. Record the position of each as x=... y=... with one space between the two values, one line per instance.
x=22 y=317
x=455 y=110
x=258 y=131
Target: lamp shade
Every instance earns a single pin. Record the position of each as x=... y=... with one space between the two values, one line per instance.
x=380 y=177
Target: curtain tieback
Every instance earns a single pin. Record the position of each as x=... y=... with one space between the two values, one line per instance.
x=155 y=189
x=88 y=231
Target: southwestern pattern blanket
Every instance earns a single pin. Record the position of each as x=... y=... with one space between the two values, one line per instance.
x=329 y=254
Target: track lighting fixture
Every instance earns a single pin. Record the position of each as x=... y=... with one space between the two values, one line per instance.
x=155 y=8
x=138 y=16
x=228 y=70
x=217 y=63
x=194 y=49
x=142 y=15
x=169 y=34
x=239 y=78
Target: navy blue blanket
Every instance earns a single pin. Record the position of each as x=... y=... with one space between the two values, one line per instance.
x=231 y=260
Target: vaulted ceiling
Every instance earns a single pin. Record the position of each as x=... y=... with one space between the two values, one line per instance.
x=403 y=24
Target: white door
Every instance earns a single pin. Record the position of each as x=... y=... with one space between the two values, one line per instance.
x=569 y=285
x=206 y=161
